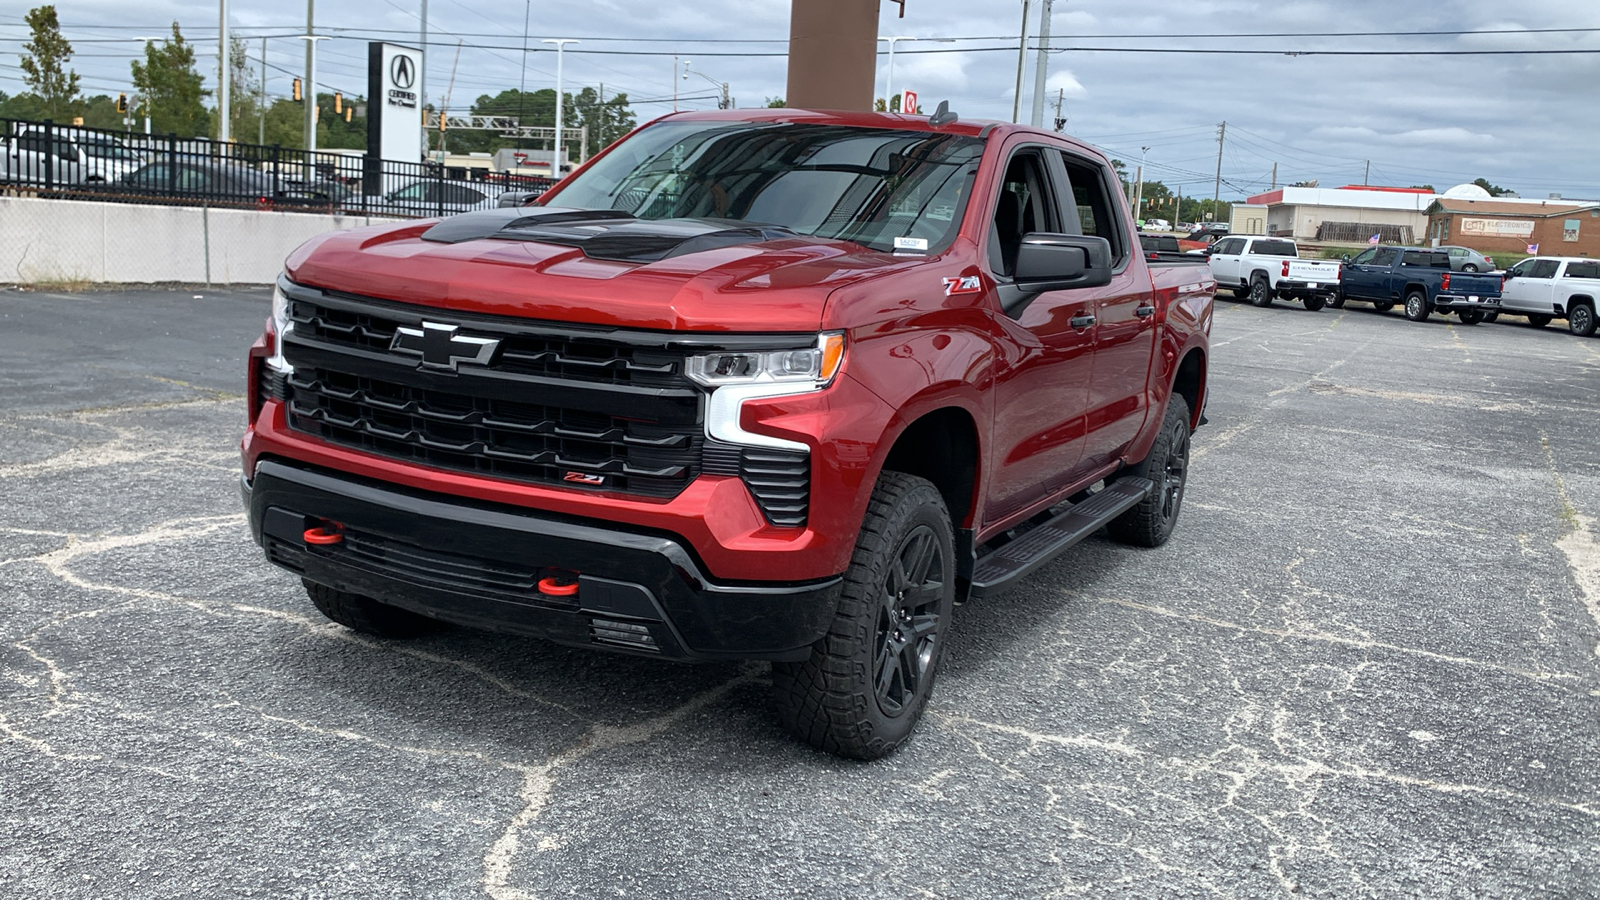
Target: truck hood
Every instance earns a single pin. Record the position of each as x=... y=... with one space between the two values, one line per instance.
x=598 y=268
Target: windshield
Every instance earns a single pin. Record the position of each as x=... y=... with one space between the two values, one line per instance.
x=867 y=185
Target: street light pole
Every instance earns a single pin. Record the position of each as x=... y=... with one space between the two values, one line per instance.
x=888 y=85
x=1041 y=65
x=561 y=45
x=1022 y=56
x=224 y=127
x=261 y=98
x=422 y=79
x=1138 y=202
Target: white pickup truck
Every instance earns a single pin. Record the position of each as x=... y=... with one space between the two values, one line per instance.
x=1553 y=287
x=1263 y=268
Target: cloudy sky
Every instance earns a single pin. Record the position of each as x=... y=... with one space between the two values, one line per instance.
x=1425 y=112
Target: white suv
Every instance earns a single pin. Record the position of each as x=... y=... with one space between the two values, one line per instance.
x=1553 y=287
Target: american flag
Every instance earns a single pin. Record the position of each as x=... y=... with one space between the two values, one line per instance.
x=1374 y=239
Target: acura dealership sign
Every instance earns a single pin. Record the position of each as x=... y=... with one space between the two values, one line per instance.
x=394 y=108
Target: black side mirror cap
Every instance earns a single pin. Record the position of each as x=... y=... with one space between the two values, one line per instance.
x=1056 y=262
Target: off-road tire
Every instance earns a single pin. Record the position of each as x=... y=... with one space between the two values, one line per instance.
x=1383 y=305
x=866 y=683
x=1151 y=522
x=1580 y=319
x=1260 y=291
x=1540 y=321
x=1417 y=308
x=1471 y=316
x=367 y=615
x=1315 y=302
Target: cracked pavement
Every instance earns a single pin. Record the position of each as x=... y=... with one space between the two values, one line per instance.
x=1366 y=665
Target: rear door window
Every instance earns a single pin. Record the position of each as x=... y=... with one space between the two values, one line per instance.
x=1583 y=270
x=1274 y=248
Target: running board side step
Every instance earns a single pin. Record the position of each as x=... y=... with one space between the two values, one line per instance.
x=999 y=569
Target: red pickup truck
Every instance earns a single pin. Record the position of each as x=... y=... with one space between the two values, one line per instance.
x=773 y=384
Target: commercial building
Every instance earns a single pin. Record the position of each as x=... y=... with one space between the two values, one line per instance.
x=1555 y=227
x=1349 y=214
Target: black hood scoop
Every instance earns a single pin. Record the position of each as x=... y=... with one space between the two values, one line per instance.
x=604 y=233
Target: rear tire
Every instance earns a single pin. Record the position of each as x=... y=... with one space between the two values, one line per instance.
x=867 y=681
x=1580 y=319
x=1316 y=302
x=1469 y=267
x=1471 y=316
x=1491 y=318
x=1417 y=306
x=367 y=615
x=1151 y=522
x=1260 y=291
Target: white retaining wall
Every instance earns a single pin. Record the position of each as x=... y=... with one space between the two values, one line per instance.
x=74 y=240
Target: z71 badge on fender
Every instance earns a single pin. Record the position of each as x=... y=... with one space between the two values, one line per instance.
x=966 y=284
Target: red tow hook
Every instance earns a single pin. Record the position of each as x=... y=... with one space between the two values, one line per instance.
x=324 y=535
x=559 y=586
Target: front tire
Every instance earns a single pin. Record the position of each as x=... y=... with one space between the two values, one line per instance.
x=367 y=615
x=1417 y=306
x=1151 y=522
x=867 y=682
x=1260 y=291
x=1316 y=302
x=1471 y=316
x=1580 y=319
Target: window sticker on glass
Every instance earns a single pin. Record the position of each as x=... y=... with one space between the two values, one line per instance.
x=920 y=245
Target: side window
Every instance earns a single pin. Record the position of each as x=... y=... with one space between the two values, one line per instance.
x=1544 y=268
x=1025 y=205
x=1583 y=270
x=1363 y=258
x=1386 y=257
x=1414 y=258
x=1097 y=213
x=1231 y=246
x=1520 y=270
x=1457 y=252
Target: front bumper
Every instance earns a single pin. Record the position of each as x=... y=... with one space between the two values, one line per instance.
x=1466 y=301
x=480 y=564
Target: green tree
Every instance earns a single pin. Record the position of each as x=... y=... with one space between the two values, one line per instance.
x=244 y=99
x=22 y=106
x=171 y=87
x=44 y=60
x=1494 y=189
x=776 y=103
x=607 y=120
x=1426 y=187
x=892 y=106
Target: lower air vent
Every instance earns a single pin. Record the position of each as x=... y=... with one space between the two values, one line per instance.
x=780 y=480
x=631 y=635
x=286 y=555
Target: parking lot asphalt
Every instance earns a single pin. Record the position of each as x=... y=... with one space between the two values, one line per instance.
x=1364 y=666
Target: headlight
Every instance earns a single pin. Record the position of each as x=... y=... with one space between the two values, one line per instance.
x=281 y=325
x=816 y=364
x=737 y=376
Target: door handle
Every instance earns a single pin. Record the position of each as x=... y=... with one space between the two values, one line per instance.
x=1145 y=312
x=1081 y=321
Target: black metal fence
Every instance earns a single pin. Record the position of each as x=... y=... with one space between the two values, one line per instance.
x=44 y=159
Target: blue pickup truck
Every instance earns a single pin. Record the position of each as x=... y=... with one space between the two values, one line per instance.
x=1420 y=278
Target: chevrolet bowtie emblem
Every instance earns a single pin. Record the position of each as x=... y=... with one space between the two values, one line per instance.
x=441 y=348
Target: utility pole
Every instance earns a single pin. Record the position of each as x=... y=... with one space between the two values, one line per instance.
x=309 y=95
x=422 y=83
x=522 y=85
x=1216 y=190
x=261 y=98
x=1274 y=177
x=1138 y=197
x=1366 y=174
x=1041 y=64
x=561 y=45
x=224 y=132
x=1022 y=55
x=1061 y=123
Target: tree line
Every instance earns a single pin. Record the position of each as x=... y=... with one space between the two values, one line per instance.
x=172 y=93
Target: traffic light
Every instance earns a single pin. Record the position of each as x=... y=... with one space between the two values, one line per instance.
x=122 y=103
x=338 y=103
x=441 y=121
x=349 y=113
x=298 y=95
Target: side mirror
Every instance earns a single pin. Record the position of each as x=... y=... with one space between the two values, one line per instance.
x=1345 y=257
x=1054 y=262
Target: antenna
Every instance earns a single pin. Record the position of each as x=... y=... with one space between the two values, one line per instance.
x=942 y=115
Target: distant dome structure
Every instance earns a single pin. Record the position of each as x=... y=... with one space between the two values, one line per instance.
x=1467 y=192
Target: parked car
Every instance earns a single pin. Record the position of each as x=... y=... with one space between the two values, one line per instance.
x=1466 y=259
x=691 y=407
x=1154 y=245
x=1264 y=268
x=434 y=197
x=1421 y=278
x=1545 y=288
x=1157 y=225
x=37 y=159
x=207 y=180
x=1208 y=232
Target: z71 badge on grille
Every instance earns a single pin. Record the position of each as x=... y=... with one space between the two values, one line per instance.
x=441 y=348
x=584 y=478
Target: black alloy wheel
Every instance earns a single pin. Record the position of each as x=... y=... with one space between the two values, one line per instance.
x=1539 y=321
x=1416 y=306
x=1150 y=523
x=1260 y=291
x=1580 y=319
x=908 y=621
